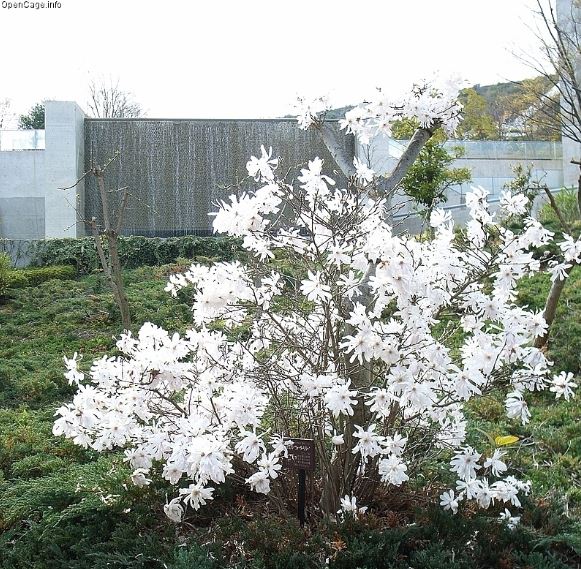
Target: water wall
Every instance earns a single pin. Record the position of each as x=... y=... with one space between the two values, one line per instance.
x=176 y=170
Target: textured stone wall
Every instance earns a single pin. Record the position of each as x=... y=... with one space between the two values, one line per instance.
x=176 y=170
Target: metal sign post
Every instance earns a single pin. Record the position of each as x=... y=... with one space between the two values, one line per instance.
x=301 y=457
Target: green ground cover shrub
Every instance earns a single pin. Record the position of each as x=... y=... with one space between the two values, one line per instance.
x=134 y=251
x=566 y=200
x=62 y=506
x=11 y=278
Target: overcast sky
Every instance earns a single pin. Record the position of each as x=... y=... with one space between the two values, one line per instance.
x=250 y=58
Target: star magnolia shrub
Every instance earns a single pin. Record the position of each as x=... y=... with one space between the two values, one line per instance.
x=368 y=342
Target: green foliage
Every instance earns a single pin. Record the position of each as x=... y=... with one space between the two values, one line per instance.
x=430 y=175
x=477 y=122
x=134 y=251
x=567 y=203
x=33 y=119
x=62 y=506
x=19 y=278
x=34 y=276
x=5 y=272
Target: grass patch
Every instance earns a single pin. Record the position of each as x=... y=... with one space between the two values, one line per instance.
x=65 y=507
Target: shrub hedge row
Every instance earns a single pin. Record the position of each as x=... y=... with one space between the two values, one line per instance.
x=20 y=278
x=135 y=251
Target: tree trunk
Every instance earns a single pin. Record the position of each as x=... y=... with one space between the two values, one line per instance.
x=112 y=266
x=117 y=276
x=551 y=309
x=340 y=477
x=557 y=287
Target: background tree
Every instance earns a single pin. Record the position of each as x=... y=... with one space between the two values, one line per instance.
x=560 y=44
x=477 y=123
x=510 y=111
x=108 y=234
x=33 y=119
x=4 y=112
x=430 y=176
x=108 y=100
x=558 y=80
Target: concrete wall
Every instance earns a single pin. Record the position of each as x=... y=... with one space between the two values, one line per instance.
x=569 y=18
x=31 y=204
x=65 y=165
x=176 y=170
x=22 y=191
x=490 y=162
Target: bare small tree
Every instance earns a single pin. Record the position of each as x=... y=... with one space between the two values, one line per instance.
x=4 y=112
x=109 y=232
x=108 y=100
x=559 y=38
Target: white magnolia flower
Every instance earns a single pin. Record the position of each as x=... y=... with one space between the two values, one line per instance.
x=339 y=400
x=571 y=249
x=250 y=447
x=496 y=465
x=259 y=482
x=338 y=440
x=314 y=289
x=262 y=167
x=363 y=173
x=513 y=204
x=439 y=216
x=368 y=444
x=73 y=375
x=138 y=477
x=517 y=408
x=393 y=470
x=449 y=502
x=562 y=385
x=173 y=510
x=395 y=445
x=196 y=495
x=510 y=520
x=465 y=463
x=349 y=506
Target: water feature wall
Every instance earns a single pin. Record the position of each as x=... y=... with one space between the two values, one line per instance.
x=176 y=170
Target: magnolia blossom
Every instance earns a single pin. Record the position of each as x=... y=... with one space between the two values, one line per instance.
x=449 y=501
x=138 y=477
x=562 y=385
x=197 y=495
x=513 y=204
x=73 y=375
x=465 y=463
x=331 y=329
x=517 y=408
x=339 y=400
x=313 y=289
x=364 y=174
x=349 y=506
x=496 y=465
x=510 y=520
x=393 y=470
x=173 y=510
x=262 y=167
x=439 y=216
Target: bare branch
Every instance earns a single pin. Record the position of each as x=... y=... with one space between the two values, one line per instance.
x=334 y=142
x=388 y=185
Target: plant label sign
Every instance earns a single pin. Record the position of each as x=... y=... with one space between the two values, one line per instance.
x=301 y=454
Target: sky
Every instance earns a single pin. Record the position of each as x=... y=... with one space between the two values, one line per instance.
x=251 y=58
